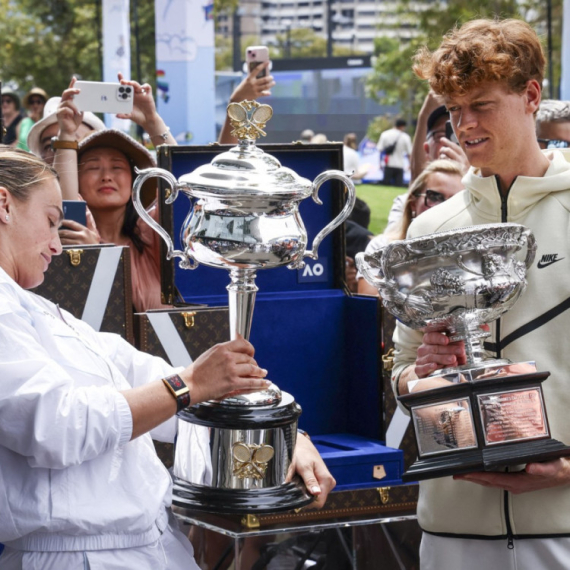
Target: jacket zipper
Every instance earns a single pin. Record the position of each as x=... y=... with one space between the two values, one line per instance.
x=504 y=219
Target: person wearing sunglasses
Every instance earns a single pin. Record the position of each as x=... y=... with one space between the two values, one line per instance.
x=439 y=181
x=34 y=102
x=553 y=124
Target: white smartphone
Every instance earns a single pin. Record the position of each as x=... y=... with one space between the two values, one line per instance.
x=100 y=97
x=254 y=55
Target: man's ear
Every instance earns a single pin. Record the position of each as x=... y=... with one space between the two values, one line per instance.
x=426 y=150
x=533 y=95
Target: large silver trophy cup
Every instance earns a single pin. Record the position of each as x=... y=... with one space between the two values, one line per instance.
x=245 y=218
x=487 y=413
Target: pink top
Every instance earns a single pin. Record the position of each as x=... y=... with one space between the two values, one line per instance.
x=145 y=267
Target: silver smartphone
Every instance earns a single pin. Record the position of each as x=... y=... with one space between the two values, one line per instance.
x=100 y=97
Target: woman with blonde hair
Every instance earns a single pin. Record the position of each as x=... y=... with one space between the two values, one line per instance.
x=439 y=181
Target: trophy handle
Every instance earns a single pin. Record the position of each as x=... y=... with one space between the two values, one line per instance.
x=319 y=181
x=143 y=176
x=531 y=248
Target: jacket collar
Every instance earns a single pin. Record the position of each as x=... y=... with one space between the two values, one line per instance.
x=525 y=190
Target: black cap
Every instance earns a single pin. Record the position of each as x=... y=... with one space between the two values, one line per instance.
x=435 y=115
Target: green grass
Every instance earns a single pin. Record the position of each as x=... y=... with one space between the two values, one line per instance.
x=379 y=199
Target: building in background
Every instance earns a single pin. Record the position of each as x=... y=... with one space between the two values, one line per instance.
x=353 y=23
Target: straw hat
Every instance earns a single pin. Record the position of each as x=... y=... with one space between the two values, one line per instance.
x=35 y=91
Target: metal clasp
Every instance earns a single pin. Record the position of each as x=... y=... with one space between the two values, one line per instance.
x=74 y=256
x=250 y=521
x=384 y=493
x=388 y=360
x=188 y=319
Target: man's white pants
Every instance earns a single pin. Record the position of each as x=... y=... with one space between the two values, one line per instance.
x=443 y=553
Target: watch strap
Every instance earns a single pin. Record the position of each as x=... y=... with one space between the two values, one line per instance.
x=56 y=144
x=179 y=390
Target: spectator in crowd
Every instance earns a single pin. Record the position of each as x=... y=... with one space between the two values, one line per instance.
x=351 y=158
x=430 y=140
x=101 y=171
x=34 y=103
x=41 y=134
x=357 y=236
x=440 y=180
x=306 y=136
x=350 y=155
x=490 y=74
x=319 y=138
x=395 y=144
x=430 y=143
x=553 y=124
x=11 y=116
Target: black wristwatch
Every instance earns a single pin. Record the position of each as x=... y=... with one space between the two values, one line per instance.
x=179 y=390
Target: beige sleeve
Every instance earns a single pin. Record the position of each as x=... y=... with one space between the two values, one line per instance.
x=406 y=343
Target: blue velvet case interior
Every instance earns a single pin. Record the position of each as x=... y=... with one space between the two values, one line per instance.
x=317 y=343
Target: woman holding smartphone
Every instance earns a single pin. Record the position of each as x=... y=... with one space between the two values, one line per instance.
x=100 y=170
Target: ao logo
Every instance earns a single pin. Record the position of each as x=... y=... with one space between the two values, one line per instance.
x=316 y=270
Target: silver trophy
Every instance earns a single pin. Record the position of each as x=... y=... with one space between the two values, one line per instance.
x=487 y=413
x=245 y=218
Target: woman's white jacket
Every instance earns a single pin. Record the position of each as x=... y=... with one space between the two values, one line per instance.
x=70 y=478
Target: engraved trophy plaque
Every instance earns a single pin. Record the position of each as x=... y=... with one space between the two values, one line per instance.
x=487 y=413
x=245 y=218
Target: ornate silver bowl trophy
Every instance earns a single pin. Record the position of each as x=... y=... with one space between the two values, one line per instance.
x=245 y=218
x=487 y=413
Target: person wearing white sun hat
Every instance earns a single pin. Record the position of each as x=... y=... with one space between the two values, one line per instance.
x=41 y=133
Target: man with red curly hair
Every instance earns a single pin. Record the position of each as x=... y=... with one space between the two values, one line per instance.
x=489 y=73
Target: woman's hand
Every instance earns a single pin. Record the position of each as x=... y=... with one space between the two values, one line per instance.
x=226 y=368
x=73 y=233
x=253 y=87
x=68 y=116
x=144 y=111
x=310 y=466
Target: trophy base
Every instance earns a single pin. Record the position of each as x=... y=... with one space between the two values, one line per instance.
x=487 y=459
x=493 y=421
x=200 y=498
x=251 y=450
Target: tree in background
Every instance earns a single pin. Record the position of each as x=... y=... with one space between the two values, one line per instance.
x=47 y=42
x=392 y=80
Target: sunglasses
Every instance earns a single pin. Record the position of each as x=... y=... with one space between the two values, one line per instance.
x=36 y=102
x=7 y=100
x=431 y=198
x=553 y=143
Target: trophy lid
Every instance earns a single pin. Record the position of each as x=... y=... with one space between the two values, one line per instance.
x=246 y=171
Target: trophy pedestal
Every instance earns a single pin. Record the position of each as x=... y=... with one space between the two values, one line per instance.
x=251 y=450
x=481 y=426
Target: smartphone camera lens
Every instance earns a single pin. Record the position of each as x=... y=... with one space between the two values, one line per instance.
x=121 y=89
x=124 y=96
x=128 y=89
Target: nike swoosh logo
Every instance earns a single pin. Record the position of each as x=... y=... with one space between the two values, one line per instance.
x=541 y=265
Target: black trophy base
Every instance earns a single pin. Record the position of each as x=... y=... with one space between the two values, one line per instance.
x=485 y=459
x=204 y=499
